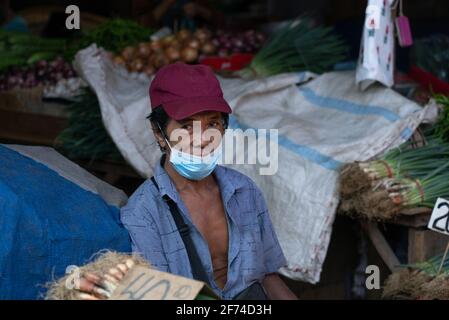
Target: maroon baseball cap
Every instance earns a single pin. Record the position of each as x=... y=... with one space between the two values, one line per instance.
x=184 y=90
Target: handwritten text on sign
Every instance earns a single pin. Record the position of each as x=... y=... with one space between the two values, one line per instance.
x=143 y=283
x=439 y=221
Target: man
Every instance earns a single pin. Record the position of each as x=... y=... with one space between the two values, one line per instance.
x=225 y=212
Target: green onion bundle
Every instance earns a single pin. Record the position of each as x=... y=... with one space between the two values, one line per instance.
x=405 y=160
x=298 y=47
x=85 y=136
x=431 y=266
x=422 y=191
x=423 y=281
x=442 y=125
x=404 y=177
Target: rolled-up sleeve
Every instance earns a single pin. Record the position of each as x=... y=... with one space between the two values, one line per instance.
x=273 y=255
x=144 y=234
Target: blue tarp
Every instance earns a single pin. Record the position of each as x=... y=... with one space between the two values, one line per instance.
x=46 y=224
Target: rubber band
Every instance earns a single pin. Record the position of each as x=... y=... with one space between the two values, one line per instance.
x=421 y=189
x=389 y=171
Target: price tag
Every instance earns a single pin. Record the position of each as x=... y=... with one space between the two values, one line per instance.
x=439 y=221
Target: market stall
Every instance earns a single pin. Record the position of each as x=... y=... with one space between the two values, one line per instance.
x=350 y=142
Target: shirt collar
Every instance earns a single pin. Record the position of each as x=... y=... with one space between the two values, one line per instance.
x=165 y=184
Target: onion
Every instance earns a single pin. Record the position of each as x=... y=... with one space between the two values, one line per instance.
x=227 y=45
x=193 y=43
x=159 y=60
x=59 y=60
x=208 y=48
x=223 y=39
x=137 y=65
x=119 y=60
x=166 y=41
x=12 y=80
x=110 y=55
x=155 y=45
x=69 y=74
x=237 y=50
x=172 y=54
x=250 y=33
x=143 y=50
x=189 y=55
x=223 y=52
x=183 y=35
x=215 y=42
x=202 y=34
x=149 y=70
x=41 y=64
x=260 y=37
x=175 y=44
x=128 y=53
x=237 y=42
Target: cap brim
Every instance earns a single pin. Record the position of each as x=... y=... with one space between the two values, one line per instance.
x=187 y=107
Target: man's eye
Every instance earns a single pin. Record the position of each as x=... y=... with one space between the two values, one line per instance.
x=214 y=124
x=187 y=126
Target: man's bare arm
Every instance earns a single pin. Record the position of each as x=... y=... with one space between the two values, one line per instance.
x=276 y=289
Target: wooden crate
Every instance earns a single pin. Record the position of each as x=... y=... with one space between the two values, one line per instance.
x=26 y=118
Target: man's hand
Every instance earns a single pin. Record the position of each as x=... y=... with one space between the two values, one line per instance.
x=101 y=287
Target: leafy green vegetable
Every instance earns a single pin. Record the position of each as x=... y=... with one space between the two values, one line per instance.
x=85 y=136
x=113 y=35
x=431 y=266
x=298 y=47
x=442 y=125
x=19 y=49
x=413 y=176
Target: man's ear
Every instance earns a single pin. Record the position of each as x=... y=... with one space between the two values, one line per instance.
x=158 y=135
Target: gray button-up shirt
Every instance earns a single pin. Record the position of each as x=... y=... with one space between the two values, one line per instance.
x=253 y=250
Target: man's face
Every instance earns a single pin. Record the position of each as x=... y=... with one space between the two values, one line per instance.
x=198 y=134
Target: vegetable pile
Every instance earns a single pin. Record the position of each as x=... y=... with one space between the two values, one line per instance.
x=298 y=47
x=419 y=281
x=27 y=61
x=21 y=49
x=113 y=35
x=186 y=46
x=404 y=177
x=85 y=136
x=228 y=43
x=46 y=73
x=149 y=56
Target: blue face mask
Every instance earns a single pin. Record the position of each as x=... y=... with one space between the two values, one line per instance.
x=194 y=167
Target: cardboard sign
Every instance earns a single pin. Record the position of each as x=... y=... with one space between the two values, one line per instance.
x=142 y=283
x=439 y=221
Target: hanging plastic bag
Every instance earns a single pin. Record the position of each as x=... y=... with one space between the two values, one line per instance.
x=376 y=57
